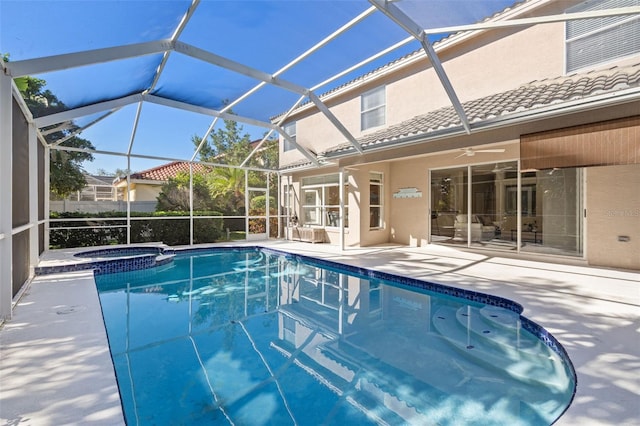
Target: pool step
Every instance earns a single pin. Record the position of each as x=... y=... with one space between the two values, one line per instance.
x=501 y=329
x=491 y=343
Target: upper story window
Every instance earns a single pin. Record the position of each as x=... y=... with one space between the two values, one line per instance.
x=290 y=129
x=372 y=108
x=600 y=40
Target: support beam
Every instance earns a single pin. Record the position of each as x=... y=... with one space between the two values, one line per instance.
x=46 y=175
x=6 y=176
x=165 y=57
x=134 y=129
x=300 y=148
x=89 y=57
x=151 y=157
x=190 y=203
x=206 y=111
x=34 y=234
x=204 y=138
x=490 y=25
x=83 y=128
x=51 y=119
x=341 y=197
x=237 y=67
x=257 y=148
x=334 y=120
x=400 y=18
x=306 y=54
x=294 y=62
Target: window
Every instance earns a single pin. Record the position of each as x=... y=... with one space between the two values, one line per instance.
x=375 y=200
x=372 y=108
x=290 y=129
x=600 y=40
x=321 y=201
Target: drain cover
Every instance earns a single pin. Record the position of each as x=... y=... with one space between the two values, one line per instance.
x=64 y=310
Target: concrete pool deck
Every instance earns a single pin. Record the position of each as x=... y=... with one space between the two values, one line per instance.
x=55 y=366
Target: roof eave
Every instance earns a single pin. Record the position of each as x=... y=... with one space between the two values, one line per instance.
x=549 y=111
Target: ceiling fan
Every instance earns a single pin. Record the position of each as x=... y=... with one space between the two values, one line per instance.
x=498 y=168
x=470 y=152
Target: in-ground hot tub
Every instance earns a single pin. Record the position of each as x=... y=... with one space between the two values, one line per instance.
x=113 y=259
x=121 y=252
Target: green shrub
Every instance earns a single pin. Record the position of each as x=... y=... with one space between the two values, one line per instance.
x=168 y=231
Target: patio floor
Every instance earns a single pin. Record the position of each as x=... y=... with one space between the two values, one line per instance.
x=56 y=369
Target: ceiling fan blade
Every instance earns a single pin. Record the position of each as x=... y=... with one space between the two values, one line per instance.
x=498 y=169
x=490 y=150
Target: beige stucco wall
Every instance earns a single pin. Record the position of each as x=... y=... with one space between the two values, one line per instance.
x=410 y=216
x=613 y=211
x=146 y=192
x=141 y=192
x=359 y=209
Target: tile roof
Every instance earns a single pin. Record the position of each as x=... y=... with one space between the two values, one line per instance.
x=526 y=98
x=166 y=171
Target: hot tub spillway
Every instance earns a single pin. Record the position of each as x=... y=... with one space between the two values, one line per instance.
x=116 y=259
x=113 y=252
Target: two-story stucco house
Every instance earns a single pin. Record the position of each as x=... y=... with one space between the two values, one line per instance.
x=541 y=153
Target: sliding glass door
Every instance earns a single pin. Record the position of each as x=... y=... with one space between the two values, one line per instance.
x=448 y=201
x=492 y=206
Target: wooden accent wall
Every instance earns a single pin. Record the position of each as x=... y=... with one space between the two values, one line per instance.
x=607 y=143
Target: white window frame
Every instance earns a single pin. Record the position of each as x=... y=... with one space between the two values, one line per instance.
x=380 y=206
x=320 y=205
x=373 y=109
x=291 y=130
x=602 y=30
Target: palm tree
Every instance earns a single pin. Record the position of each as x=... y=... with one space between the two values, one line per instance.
x=227 y=186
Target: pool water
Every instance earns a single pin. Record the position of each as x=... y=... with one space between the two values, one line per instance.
x=247 y=337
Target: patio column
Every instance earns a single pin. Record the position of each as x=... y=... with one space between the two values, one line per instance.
x=6 y=225
x=46 y=185
x=190 y=203
x=34 y=234
x=341 y=196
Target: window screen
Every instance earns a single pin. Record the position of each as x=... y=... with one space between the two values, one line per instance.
x=600 y=40
x=290 y=129
x=372 y=108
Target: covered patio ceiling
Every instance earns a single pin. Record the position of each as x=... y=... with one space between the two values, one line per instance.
x=140 y=78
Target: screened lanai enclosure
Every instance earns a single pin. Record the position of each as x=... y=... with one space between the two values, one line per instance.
x=164 y=110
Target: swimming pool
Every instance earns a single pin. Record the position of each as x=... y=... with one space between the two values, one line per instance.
x=249 y=336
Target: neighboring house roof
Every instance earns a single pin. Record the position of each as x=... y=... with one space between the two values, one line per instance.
x=164 y=172
x=528 y=99
x=99 y=180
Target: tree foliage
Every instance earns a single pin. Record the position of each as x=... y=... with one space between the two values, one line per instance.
x=226 y=186
x=225 y=145
x=175 y=194
x=230 y=146
x=222 y=188
x=66 y=172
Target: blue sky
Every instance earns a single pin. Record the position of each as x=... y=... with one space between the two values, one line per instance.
x=262 y=34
